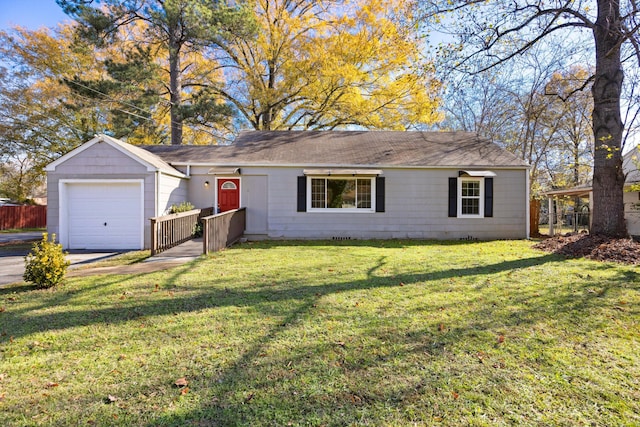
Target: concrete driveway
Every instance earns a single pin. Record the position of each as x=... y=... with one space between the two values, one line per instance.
x=20 y=237
x=12 y=256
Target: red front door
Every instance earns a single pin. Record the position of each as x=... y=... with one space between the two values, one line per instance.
x=228 y=194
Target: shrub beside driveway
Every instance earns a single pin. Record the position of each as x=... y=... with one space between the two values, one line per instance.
x=330 y=333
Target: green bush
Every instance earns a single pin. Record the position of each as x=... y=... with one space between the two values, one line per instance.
x=182 y=207
x=46 y=264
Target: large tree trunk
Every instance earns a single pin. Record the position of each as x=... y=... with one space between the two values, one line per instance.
x=175 y=89
x=608 y=178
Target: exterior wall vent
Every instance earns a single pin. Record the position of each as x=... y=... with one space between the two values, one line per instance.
x=340 y=238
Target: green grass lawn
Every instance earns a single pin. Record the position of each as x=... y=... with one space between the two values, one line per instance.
x=382 y=333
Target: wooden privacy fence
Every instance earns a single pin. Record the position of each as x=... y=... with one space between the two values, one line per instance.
x=22 y=217
x=222 y=230
x=534 y=217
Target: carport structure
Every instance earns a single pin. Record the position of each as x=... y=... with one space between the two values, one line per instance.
x=553 y=197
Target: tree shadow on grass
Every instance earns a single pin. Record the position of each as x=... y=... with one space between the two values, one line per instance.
x=241 y=392
x=303 y=295
x=30 y=321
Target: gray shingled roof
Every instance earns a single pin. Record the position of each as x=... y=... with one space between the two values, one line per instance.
x=345 y=148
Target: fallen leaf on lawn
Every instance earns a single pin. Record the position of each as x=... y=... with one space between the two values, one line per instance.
x=401 y=284
x=111 y=399
x=441 y=327
x=1 y=397
x=1 y=309
x=455 y=395
x=249 y=397
x=500 y=339
x=181 y=382
x=51 y=384
x=184 y=391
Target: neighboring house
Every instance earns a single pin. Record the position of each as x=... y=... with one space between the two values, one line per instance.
x=631 y=196
x=295 y=185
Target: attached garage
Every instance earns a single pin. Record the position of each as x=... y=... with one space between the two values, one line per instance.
x=105 y=214
x=102 y=194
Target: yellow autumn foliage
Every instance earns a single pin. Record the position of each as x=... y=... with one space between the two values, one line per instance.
x=327 y=64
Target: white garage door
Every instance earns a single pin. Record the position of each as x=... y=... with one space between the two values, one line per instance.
x=105 y=215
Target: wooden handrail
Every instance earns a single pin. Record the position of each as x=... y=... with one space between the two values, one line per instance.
x=222 y=230
x=170 y=230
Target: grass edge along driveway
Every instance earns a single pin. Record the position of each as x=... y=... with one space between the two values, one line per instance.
x=330 y=333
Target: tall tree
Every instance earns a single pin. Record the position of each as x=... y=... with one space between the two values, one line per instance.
x=178 y=26
x=40 y=118
x=571 y=105
x=505 y=29
x=509 y=104
x=321 y=64
x=19 y=180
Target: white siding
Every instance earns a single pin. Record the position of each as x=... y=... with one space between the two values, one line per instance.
x=200 y=194
x=255 y=191
x=632 y=212
x=416 y=207
x=171 y=191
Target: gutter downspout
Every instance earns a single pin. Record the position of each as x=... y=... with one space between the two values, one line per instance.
x=157 y=194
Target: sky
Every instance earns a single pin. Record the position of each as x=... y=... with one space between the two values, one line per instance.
x=32 y=14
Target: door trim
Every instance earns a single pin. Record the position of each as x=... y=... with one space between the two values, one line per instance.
x=215 y=190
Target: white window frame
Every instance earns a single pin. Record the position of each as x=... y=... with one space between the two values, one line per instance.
x=372 y=179
x=480 y=213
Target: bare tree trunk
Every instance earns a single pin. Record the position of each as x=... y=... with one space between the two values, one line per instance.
x=175 y=95
x=608 y=178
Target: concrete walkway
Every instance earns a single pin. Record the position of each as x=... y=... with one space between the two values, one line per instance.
x=12 y=263
x=176 y=256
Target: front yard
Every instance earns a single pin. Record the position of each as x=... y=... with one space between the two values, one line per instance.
x=382 y=333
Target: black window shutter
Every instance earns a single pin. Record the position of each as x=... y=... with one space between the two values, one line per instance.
x=302 y=194
x=453 y=197
x=380 y=194
x=488 y=197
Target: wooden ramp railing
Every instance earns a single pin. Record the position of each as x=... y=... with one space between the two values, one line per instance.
x=170 y=230
x=222 y=230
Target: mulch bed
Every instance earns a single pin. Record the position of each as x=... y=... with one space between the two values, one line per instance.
x=625 y=251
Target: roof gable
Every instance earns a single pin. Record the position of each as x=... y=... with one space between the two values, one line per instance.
x=152 y=162
x=347 y=148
